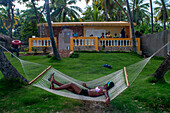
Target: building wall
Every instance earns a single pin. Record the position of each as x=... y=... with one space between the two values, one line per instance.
x=57 y=30
x=81 y=31
x=112 y=29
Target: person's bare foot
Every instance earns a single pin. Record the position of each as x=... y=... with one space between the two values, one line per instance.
x=51 y=77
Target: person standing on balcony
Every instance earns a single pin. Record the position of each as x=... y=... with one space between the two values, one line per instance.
x=102 y=35
x=75 y=35
x=115 y=36
x=123 y=33
x=109 y=35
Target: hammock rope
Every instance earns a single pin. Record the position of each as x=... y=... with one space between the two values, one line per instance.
x=117 y=77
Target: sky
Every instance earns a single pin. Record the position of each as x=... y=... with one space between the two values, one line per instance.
x=81 y=4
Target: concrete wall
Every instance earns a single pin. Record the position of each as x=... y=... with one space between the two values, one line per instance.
x=150 y=43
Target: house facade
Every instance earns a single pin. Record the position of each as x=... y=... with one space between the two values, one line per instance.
x=63 y=31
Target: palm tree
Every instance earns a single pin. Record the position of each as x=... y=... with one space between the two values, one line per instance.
x=55 y=51
x=92 y=13
x=165 y=13
x=159 y=10
x=151 y=16
x=8 y=70
x=27 y=24
x=121 y=3
x=109 y=4
x=132 y=26
x=105 y=8
x=65 y=8
x=140 y=11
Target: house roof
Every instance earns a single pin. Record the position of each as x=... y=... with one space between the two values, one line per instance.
x=109 y=23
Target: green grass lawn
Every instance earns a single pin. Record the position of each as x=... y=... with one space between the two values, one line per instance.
x=142 y=96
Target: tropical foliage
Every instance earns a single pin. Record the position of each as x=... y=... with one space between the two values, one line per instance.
x=27 y=25
x=159 y=11
x=23 y=24
x=65 y=10
x=141 y=12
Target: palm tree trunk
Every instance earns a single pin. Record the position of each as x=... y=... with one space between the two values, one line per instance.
x=165 y=13
x=133 y=10
x=7 y=69
x=151 y=16
x=10 y=19
x=132 y=27
x=35 y=10
x=122 y=9
x=36 y=14
x=105 y=7
x=163 y=68
x=55 y=51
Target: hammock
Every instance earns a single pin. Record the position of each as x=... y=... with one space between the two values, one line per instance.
x=119 y=78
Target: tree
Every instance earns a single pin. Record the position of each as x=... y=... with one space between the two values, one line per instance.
x=132 y=27
x=133 y=9
x=61 y=9
x=27 y=24
x=7 y=69
x=140 y=11
x=120 y=3
x=10 y=8
x=159 y=11
x=38 y=11
x=3 y=21
x=109 y=4
x=165 y=13
x=151 y=16
x=92 y=13
x=163 y=68
x=56 y=54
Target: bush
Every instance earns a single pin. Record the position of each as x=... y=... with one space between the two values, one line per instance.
x=74 y=55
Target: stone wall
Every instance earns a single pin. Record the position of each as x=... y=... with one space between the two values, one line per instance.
x=150 y=43
x=84 y=48
x=116 y=48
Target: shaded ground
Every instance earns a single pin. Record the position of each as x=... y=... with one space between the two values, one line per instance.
x=94 y=107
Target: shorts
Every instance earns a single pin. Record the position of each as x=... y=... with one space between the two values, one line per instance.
x=84 y=92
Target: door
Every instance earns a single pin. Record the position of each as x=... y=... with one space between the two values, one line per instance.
x=64 y=39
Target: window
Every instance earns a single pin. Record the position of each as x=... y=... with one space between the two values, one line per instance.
x=95 y=32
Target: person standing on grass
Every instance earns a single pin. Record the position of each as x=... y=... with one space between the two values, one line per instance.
x=98 y=91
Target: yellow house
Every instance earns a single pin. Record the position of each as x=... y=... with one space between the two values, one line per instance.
x=86 y=28
x=88 y=35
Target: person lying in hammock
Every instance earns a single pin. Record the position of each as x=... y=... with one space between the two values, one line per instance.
x=98 y=91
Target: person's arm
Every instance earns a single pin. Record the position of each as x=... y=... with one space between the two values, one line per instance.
x=107 y=101
x=84 y=84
